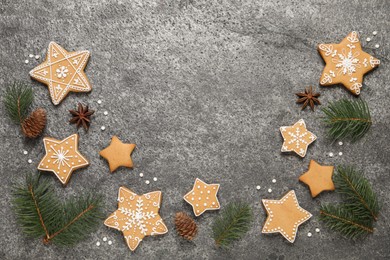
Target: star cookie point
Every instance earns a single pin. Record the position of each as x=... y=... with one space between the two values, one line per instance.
x=118 y=154
x=137 y=216
x=62 y=72
x=346 y=63
x=202 y=197
x=284 y=216
x=297 y=138
x=62 y=157
x=318 y=178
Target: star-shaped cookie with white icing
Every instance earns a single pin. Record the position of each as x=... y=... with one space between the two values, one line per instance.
x=62 y=157
x=284 y=216
x=346 y=63
x=297 y=138
x=63 y=72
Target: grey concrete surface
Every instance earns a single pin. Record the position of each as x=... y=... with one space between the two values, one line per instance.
x=202 y=88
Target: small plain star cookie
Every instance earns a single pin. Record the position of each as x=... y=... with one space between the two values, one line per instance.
x=63 y=72
x=203 y=197
x=137 y=216
x=297 y=138
x=118 y=154
x=346 y=63
x=284 y=216
x=318 y=178
x=62 y=157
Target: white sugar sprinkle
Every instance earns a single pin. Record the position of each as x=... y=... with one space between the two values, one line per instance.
x=141 y=175
x=374 y=33
x=340 y=153
x=110 y=242
x=37 y=57
x=331 y=154
x=104 y=239
x=340 y=143
x=368 y=39
x=26 y=61
x=309 y=234
x=97 y=243
x=317 y=230
x=31 y=55
x=105 y=113
x=25 y=152
x=377 y=46
x=273 y=181
x=103 y=128
x=147 y=181
x=155 y=179
x=99 y=101
x=269 y=190
x=258 y=187
x=29 y=161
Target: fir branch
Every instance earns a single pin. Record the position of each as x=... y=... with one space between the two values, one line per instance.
x=40 y=214
x=347 y=119
x=361 y=199
x=341 y=219
x=233 y=223
x=17 y=99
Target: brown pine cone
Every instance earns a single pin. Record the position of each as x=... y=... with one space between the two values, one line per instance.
x=34 y=124
x=185 y=226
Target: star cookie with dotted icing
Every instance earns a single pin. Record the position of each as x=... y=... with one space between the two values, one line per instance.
x=63 y=72
x=318 y=178
x=346 y=63
x=62 y=157
x=118 y=154
x=284 y=216
x=137 y=216
x=203 y=197
x=297 y=138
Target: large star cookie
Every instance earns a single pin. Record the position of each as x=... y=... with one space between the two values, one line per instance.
x=318 y=178
x=118 y=154
x=284 y=216
x=137 y=216
x=346 y=63
x=297 y=138
x=203 y=197
x=62 y=72
x=62 y=157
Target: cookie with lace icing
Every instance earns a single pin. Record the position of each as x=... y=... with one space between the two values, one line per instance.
x=62 y=157
x=137 y=216
x=62 y=72
x=297 y=138
x=346 y=63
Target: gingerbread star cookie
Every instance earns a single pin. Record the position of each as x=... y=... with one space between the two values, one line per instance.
x=346 y=63
x=118 y=154
x=203 y=197
x=62 y=157
x=297 y=138
x=318 y=178
x=284 y=216
x=63 y=72
x=137 y=216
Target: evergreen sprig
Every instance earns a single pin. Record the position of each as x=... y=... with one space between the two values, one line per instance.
x=356 y=216
x=347 y=119
x=232 y=224
x=41 y=214
x=17 y=99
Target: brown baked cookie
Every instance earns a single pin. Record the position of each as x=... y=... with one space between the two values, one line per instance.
x=318 y=178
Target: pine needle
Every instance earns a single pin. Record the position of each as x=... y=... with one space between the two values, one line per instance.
x=17 y=99
x=347 y=119
x=232 y=224
x=41 y=214
x=361 y=199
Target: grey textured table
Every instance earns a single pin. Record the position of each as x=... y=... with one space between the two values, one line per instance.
x=202 y=89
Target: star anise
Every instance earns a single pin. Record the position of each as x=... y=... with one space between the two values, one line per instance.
x=308 y=98
x=81 y=116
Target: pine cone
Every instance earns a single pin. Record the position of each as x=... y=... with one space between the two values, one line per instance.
x=185 y=226
x=34 y=124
